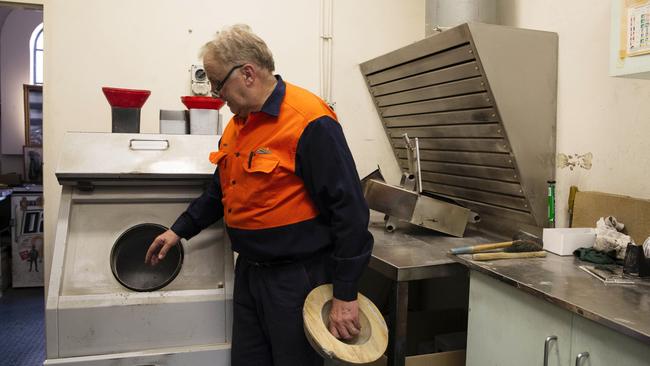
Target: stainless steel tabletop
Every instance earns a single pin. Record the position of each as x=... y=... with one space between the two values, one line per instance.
x=559 y=280
x=414 y=253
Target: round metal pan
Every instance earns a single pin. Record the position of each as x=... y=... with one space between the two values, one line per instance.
x=127 y=259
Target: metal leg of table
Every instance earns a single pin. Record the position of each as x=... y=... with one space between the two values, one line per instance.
x=397 y=333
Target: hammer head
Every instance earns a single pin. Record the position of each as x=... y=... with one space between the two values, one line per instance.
x=526 y=236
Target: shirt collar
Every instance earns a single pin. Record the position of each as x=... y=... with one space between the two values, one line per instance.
x=273 y=102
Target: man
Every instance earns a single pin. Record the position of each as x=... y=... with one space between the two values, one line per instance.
x=33 y=258
x=287 y=187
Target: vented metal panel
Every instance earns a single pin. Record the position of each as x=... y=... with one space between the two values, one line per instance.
x=438 y=91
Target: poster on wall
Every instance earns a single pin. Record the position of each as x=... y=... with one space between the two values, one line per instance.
x=33 y=164
x=29 y=271
x=634 y=32
x=33 y=99
x=638 y=24
x=27 y=246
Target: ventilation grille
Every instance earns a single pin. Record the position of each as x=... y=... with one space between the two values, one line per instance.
x=436 y=90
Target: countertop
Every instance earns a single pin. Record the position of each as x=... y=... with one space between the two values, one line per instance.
x=559 y=280
x=415 y=253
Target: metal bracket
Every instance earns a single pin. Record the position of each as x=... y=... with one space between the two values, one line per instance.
x=413 y=155
x=85 y=186
x=411 y=180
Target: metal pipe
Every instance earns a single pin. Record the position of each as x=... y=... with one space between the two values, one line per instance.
x=327 y=20
x=443 y=14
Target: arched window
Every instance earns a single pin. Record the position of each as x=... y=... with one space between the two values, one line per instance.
x=36 y=56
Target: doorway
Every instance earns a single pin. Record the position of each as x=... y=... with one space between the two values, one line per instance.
x=22 y=336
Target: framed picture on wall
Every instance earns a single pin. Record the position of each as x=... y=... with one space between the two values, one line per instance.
x=33 y=99
x=33 y=164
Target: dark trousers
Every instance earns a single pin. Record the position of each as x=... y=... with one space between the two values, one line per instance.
x=267 y=321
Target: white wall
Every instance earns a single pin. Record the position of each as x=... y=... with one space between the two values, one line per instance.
x=14 y=72
x=607 y=116
x=360 y=33
x=148 y=44
x=151 y=44
x=12 y=162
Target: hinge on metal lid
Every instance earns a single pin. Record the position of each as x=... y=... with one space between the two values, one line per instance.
x=85 y=186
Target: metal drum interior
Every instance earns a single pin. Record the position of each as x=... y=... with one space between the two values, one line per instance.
x=127 y=259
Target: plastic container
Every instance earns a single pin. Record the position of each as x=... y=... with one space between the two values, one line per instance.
x=563 y=241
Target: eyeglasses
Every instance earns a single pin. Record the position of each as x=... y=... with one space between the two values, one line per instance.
x=218 y=85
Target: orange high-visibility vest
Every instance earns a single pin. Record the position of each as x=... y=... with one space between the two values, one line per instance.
x=256 y=160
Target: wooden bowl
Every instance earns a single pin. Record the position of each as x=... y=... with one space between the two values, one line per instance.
x=367 y=347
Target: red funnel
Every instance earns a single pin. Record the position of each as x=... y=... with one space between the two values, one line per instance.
x=202 y=102
x=126 y=98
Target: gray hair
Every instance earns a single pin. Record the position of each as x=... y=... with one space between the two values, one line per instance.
x=236 y=45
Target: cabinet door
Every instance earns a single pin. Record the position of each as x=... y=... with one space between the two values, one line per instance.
x=507 y=326
x=605 y=346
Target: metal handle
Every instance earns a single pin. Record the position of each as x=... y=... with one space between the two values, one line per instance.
x=143 y=144
x=418 y=166
x=581 y=356
x=547 y=343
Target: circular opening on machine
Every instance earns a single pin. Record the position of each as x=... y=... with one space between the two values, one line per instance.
x=127 y=259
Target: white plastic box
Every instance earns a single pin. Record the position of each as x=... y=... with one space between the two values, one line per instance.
x=563 y=241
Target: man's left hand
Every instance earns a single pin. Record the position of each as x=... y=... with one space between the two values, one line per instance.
x=344 y=319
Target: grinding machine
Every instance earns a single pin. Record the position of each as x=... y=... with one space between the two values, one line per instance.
x=104 y=305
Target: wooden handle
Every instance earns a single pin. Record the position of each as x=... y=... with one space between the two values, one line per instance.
x=481 y=247
x=491 y=256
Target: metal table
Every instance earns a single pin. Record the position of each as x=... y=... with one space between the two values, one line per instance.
x=408 y=254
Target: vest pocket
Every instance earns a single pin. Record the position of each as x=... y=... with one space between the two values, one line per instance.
x=260 y=164
x=259 y=181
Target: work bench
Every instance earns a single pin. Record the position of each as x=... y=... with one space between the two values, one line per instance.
x=524 y=311
x=516 y=305
x=408 y=254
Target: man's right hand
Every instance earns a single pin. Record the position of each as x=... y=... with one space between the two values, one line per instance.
x=160 y=246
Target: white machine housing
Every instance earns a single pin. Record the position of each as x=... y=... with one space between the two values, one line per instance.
x=112 y=182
